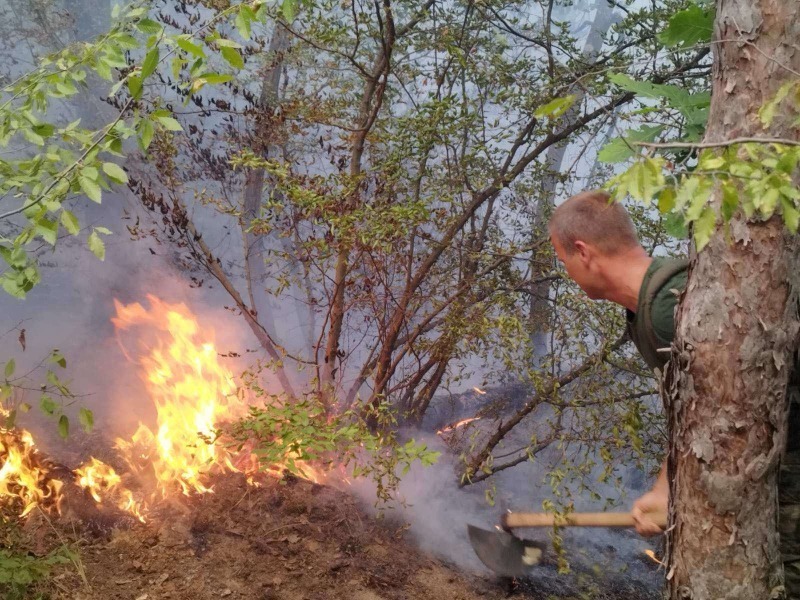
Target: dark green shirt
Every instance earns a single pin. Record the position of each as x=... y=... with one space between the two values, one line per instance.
x=666 y=298
x=663 y=281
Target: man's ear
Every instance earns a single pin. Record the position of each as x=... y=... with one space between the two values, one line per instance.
x=583 y=250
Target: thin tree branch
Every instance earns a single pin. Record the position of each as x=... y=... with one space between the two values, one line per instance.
x=726 y=143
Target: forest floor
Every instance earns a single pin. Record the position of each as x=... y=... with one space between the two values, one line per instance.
x=291 y=540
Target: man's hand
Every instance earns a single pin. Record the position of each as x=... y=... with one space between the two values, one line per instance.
x=654 y=501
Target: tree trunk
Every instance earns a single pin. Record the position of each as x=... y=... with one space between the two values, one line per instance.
x=263 y=140
x=541 y=308
x=370 y=106
x=737 y=331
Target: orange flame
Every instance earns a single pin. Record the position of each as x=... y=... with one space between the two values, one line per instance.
x=193 y=395
x=652 y=555
x=192 y=392
x=457 y=425
x=102 y=481
x=23 y=477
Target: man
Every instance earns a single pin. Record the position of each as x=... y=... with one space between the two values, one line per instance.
x=596 y=241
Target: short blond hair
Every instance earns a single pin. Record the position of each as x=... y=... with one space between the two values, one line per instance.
x=592 y=217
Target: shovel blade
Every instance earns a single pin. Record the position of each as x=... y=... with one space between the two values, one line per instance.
x=503 y=553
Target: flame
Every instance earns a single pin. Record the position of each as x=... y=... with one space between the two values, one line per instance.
x=192 y=392
x=102 y=481
x=97 y=478
x=23 y=477
x=457 y=425
x=652 y=555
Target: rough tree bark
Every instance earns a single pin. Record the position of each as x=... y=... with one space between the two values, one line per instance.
x=737 y=330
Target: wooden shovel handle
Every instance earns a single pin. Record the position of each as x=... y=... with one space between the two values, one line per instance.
x=600 y=519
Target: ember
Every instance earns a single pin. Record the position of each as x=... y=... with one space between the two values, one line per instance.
x=457 y=425
x=652 y=556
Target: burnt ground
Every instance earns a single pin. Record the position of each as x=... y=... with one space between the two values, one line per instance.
x=283 y=541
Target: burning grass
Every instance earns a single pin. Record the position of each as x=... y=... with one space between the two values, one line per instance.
x=193 y=395
x=25 y=480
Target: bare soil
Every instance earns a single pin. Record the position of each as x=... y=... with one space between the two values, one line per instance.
x=291 y=540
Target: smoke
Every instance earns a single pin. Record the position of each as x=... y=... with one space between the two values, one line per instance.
x=71 y=310
x=437 y=513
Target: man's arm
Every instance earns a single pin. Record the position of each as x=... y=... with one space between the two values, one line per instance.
x=654 y=501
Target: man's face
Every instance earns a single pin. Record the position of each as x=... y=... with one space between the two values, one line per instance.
x=580 y=267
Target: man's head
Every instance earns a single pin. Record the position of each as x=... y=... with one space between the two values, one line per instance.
x=588 y=231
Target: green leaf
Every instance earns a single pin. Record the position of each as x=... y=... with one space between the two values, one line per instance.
x=47 y=230
x=97 y=246
x=90 y=188
x=177 y=64
x=791 y=216
x=767 y=112
x=699 y=200
x=148 y=26
x=622 y=148
x=223 y=43
x=233 y=57
x=86 y=419
x=692 y=189
x=47 y=405
x=150 y=63
x=115 y=172
x=15 y=257
x=190 y=47
x=788 y=161
x=45 y=130
x=116 y=87
x=145 y=131
x=135 y=86
x=710 y=161
x=769 y=201
x=63 y=426
x=32 y=137
x=215 y=78
x=704 y=227
x=675 y=96
x=675 y=225
x=646 y=179
x=555 y=108
x=666 y=200
x=58 y=358
x=688 y=28
x=103 y=230
x=289 y=10
x=730 y=201
x=11 y=287
x=126 y=41
x=243 y=20
x=169 y=123
x=9 y=370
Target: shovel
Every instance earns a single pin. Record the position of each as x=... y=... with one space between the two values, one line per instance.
x=508 y=555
